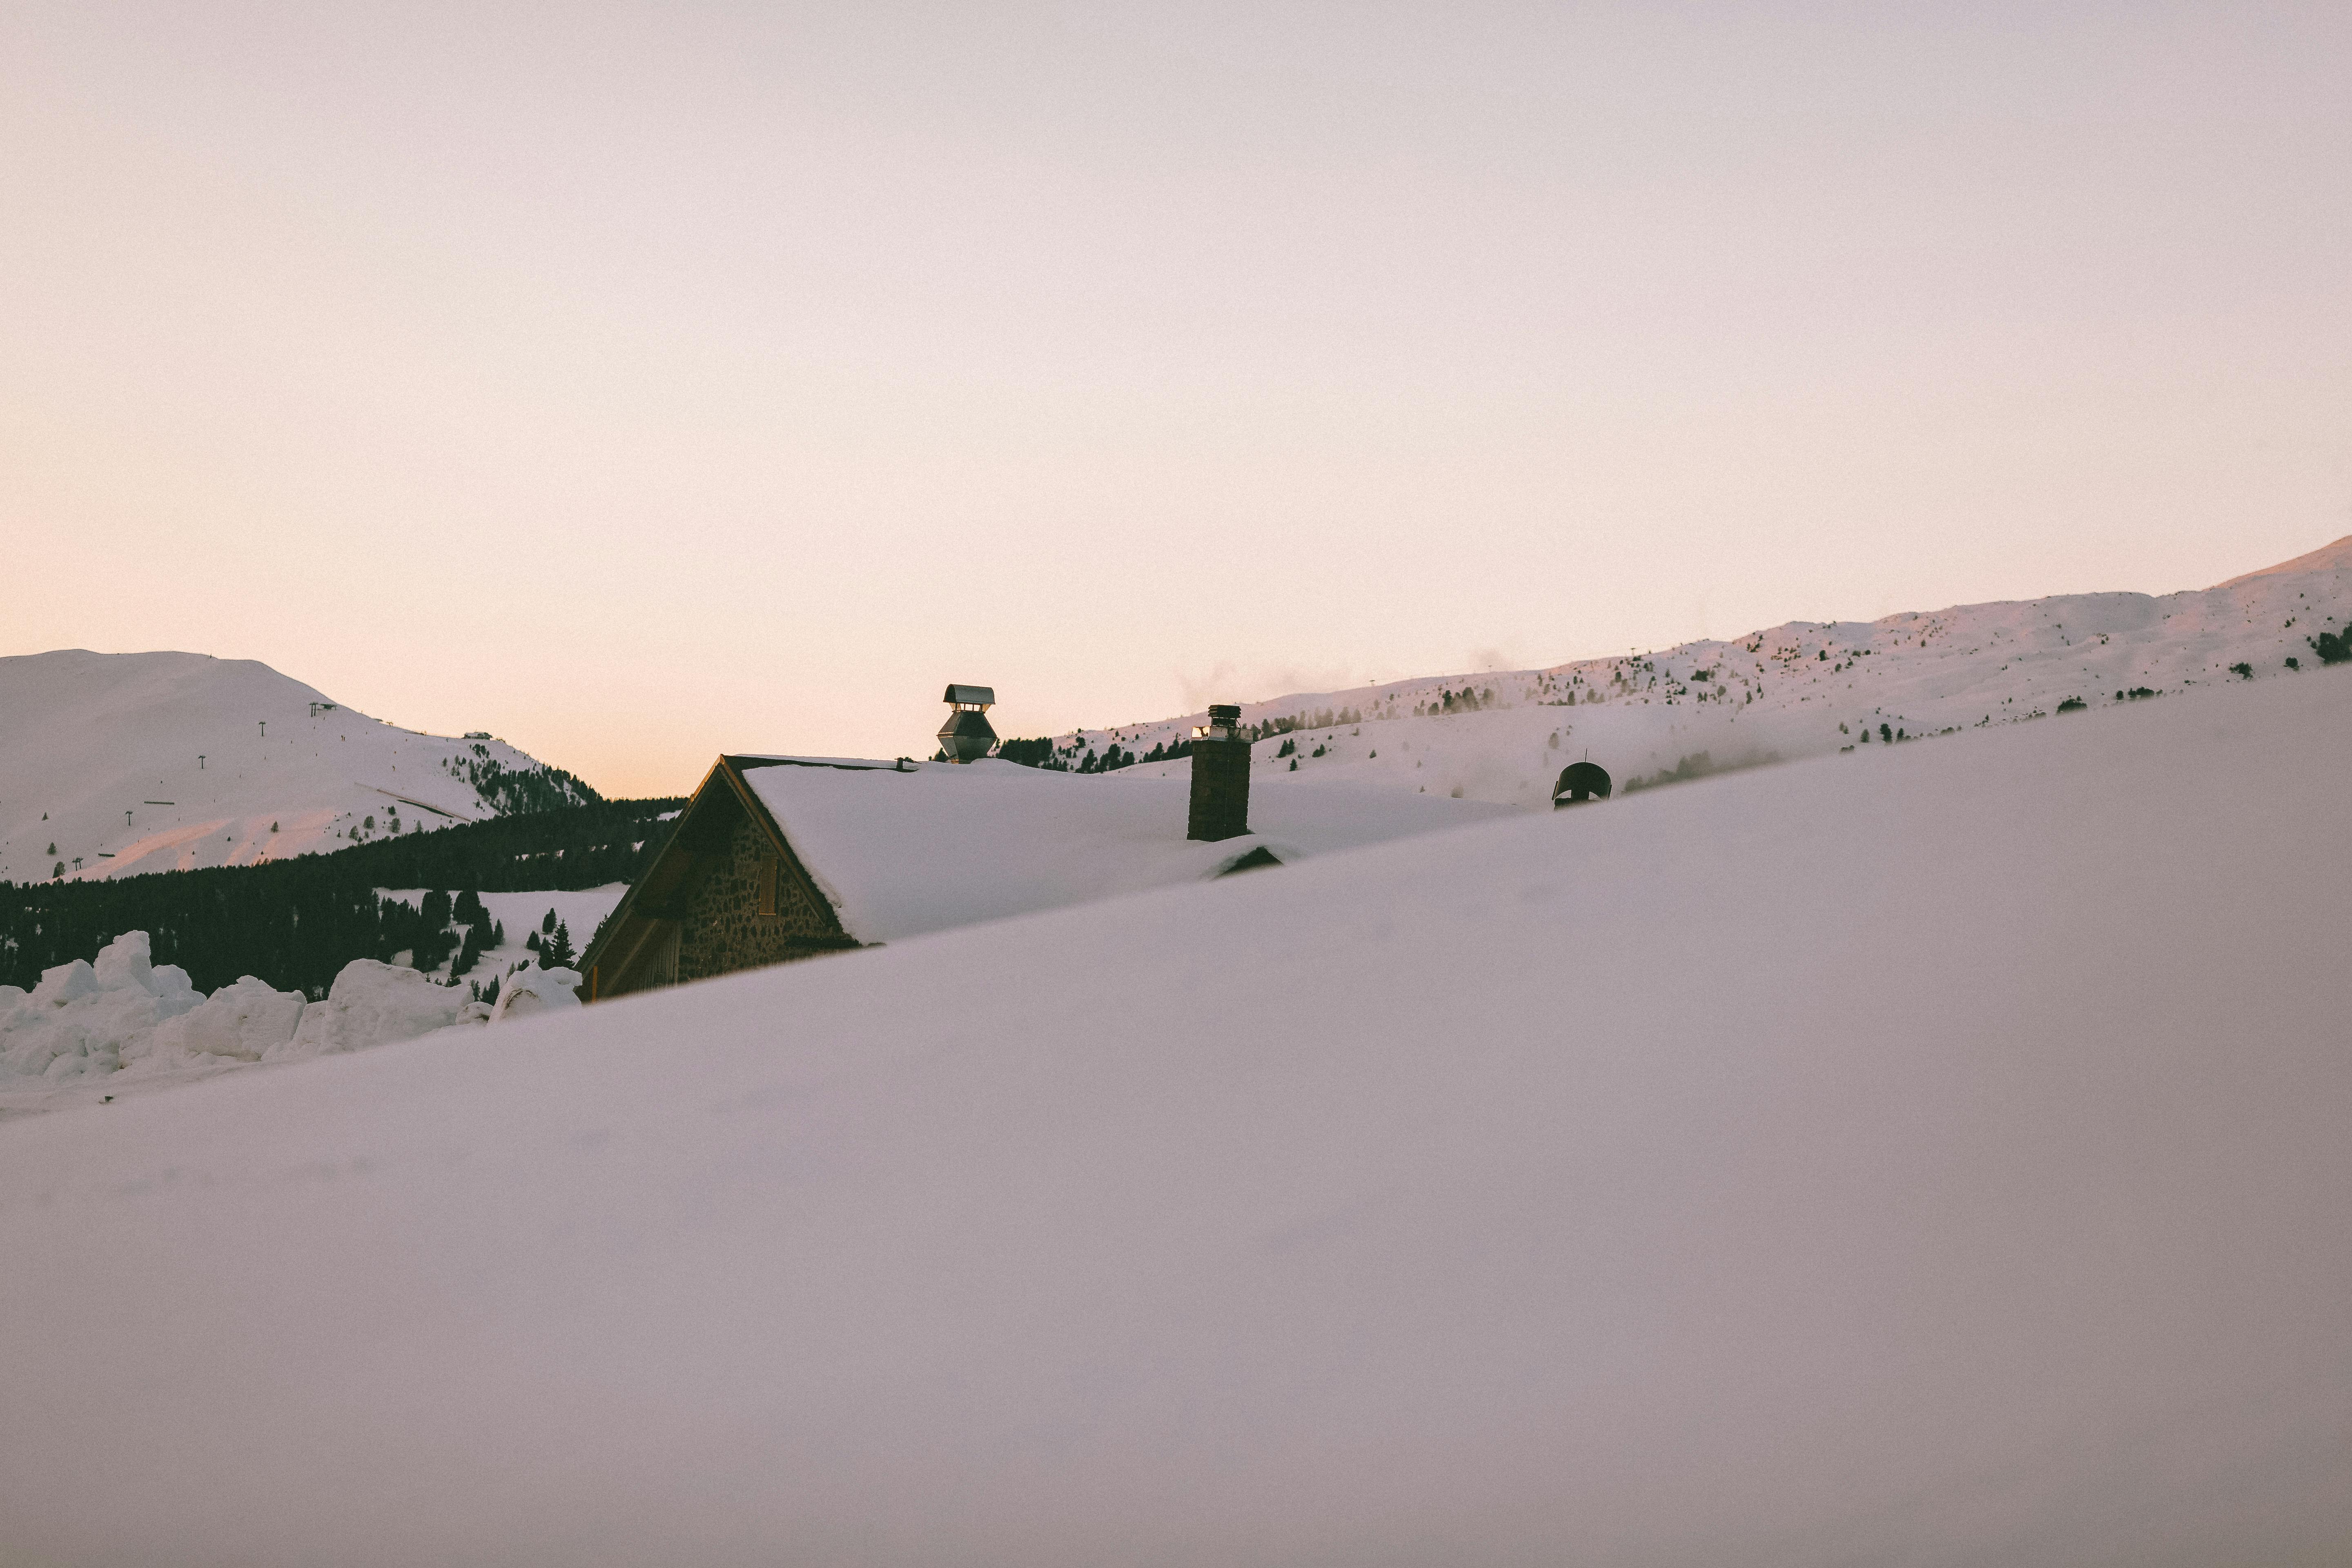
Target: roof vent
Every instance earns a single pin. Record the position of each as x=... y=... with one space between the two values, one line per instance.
x=1580 y=782
x=967 y=736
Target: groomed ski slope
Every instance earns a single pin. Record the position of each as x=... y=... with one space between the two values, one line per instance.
x=1933 y=1155
x=119 y=763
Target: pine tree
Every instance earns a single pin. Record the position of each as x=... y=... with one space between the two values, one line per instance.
x=558 y=953
x=547 y=923
x=469 y=951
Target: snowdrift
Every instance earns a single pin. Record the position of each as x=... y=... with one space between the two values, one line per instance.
x=1931 y=1155
x=125 y=1024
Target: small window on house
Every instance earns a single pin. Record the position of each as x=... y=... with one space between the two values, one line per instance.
x=768 y=884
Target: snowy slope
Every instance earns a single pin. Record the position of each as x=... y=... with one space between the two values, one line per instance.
x=99 y=756
x=1932 y=1155
x=1799 y=690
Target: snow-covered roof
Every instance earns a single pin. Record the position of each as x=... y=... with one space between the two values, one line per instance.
x=908 y=847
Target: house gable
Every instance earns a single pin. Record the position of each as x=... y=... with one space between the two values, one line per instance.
x=726 y=893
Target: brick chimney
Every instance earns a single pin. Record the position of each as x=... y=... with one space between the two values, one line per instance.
x=1221 y=765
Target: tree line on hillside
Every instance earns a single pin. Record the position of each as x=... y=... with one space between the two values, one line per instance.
x=1044 y=752
x=1315 y=719
x=296 y=922
x=517 y=791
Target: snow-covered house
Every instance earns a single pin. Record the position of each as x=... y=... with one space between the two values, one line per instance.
x=781 y=857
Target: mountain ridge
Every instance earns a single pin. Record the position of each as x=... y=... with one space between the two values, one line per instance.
x=1798 y=688
x=2335 y=556
x=119 y=763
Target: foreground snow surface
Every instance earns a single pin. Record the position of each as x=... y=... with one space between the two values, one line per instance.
x=1931 y=1155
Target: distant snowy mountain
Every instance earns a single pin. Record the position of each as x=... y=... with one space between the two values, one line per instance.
x=1800 y=689
x=117 y=763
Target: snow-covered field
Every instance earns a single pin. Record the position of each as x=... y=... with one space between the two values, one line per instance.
x=1934 y=1154
x=120 y=763
x=1801 y=689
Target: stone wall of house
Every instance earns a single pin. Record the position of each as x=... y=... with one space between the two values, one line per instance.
x=722 y=929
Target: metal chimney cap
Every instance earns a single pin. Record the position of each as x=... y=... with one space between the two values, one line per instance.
x=970 y=696
x=1224 y=723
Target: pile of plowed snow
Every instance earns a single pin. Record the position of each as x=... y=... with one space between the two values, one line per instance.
x=92 y=1031
x=1935 y=1156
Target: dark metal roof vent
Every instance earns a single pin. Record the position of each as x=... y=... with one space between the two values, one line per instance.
x=967 y=736
x=1580 y=781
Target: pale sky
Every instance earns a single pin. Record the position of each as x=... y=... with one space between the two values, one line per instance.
x=642 y=382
